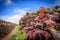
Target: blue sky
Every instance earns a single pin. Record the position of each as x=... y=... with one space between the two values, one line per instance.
x=10 y=9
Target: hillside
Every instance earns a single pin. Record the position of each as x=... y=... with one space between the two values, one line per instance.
x=5 y=28
x=53 y=13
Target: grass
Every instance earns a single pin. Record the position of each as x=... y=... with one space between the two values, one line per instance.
x=18 y=36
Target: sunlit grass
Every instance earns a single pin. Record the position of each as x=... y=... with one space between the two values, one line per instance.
x=18 y=35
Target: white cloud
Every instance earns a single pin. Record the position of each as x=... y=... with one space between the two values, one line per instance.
x=12 y=19
x=57 y=2
x=16 y=17
x=8 y=2
x=20 y=12
x=26 y=9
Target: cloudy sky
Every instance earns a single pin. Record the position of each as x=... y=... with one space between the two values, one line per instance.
x=13 y=10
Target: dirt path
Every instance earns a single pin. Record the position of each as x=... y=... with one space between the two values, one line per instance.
x=7 y=37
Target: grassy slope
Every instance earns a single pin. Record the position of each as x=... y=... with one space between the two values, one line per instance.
x=18 y=36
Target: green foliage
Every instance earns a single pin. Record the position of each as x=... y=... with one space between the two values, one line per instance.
x=19 y=35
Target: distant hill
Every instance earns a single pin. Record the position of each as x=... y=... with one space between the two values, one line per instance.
x=5 y=28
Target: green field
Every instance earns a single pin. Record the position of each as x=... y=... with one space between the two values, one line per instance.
x=18 y=35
